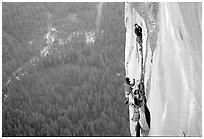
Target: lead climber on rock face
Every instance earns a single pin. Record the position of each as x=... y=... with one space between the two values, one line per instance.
x=138 y=32
x=128 y=88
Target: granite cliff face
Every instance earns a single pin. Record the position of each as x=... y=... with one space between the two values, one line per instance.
x=173 y=66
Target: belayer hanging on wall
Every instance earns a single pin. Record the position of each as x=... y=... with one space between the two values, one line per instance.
x=128 y=88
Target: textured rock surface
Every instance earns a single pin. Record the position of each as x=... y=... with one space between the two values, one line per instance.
x=132 y=54
x=176 y=74
x=175 y=91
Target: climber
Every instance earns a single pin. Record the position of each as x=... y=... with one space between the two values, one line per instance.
x=141 y=112
x=142 y=91
x=138 y=32
x=128 y=88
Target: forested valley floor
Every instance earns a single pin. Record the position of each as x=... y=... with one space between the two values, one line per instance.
x=79 y=93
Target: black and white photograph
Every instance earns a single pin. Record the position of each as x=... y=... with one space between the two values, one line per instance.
x=101 y=69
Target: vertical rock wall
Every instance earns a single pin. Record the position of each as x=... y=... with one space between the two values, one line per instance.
x=174 y=74
x=132 y=54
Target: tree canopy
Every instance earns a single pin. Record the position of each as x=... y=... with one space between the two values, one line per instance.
x=76 y=94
